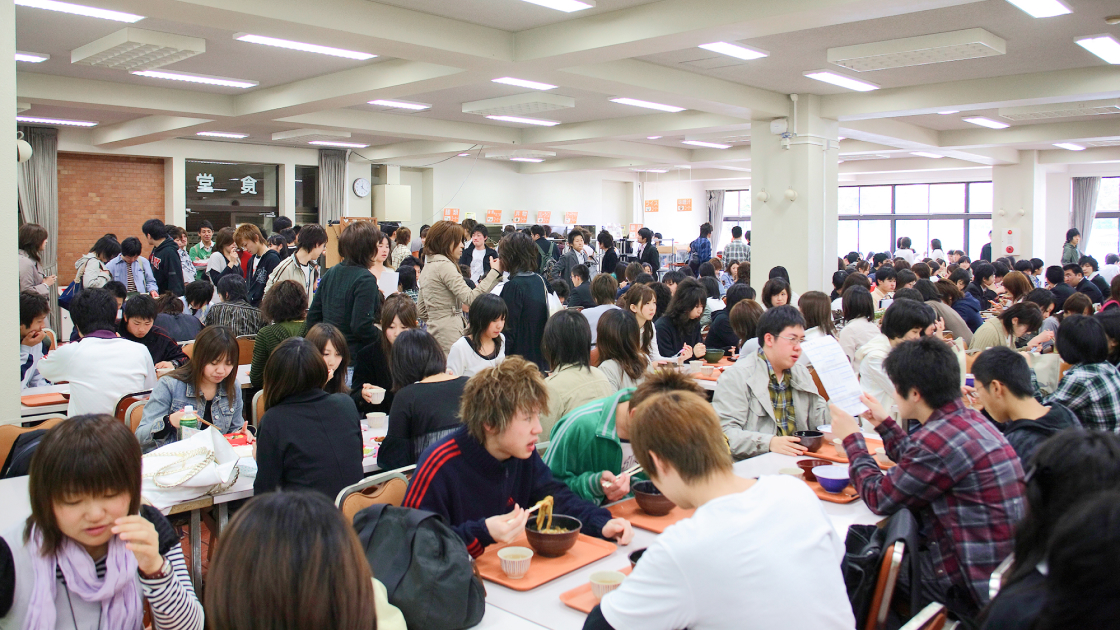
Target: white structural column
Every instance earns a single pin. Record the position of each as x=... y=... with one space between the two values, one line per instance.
x=1018 y=206
x=799 y=234
x=9 y=282
x=175 y=190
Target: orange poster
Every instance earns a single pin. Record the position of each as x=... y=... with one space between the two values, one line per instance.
x=544 y=217
x=684 y=205
x=451 y=214
x=521 y=217
x=651 y=205
x=493 y=216
x=634 y=227
x=571 y=218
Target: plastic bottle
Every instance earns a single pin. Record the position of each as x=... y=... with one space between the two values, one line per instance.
x=188 y=424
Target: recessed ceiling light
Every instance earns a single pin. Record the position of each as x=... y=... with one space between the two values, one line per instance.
x=986 y=122
x=1069 y=146
x=222 y=134
x=521 y=159
x=401 y=104
x=526 y=121
x=927 y=155
x=56 y=121
x=949 y=111
x=28 y=57
x=1104 y=46
x=77 y=9
x=653 y=137
x=648 y=105
x=313 y=48
x=735 y=50
x=710 y=145
x=839 y=138
x=649 y=170
x=532 y=85
x=1042 y=8
x=171 y=75
x=567 y=6
x=464 y=155
x=346 y=145
x=838 y=79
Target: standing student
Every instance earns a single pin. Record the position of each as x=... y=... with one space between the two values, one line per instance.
x=202 y=250
x=224 y=260
x=478 y=255
x=264 y=261
x=483 y=344
x=234 y=311
x=303 y=265
x=179 y=235
x=308 y=439
x=285 y=305
x=138 y=324
x=573 y=381
x=647 y=251
x=401 y=239
x=32 y=240
x=443 y=291
x=166 y=265
x=381 y=255
x=132 y=270
x=678 y=330
x=373 y=362
x=904 y=250
x=90 y=270
x=526 y=298
x=208 y=383
x=1070 y=254
x=336 y=354
x=935 y=251
x=621 y=358
x=608 y=259
x=348 y=296
x=33 y=342
x=1091 y=387
x=700 y=250
x=642 y=302
x=572 y=256
x=737 y=249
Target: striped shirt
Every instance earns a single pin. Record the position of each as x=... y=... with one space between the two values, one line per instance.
x=239 y=315
x=1092 y=392
x=737 y=249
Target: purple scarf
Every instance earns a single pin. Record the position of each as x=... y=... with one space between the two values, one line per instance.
x=118 y=593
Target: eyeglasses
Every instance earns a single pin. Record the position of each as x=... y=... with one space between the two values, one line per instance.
x=797 y=341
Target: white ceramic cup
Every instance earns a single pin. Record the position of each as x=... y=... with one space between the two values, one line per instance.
x=515 y=561
x=695 y=365
x=603 y=582
x=377 y=420
x=378 y=395
x=707 y=370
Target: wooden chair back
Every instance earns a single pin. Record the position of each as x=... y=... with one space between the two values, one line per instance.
x=884 y=586
x=245 y=347
x=188 y=348
x=135 y=414
x=1062 y=367
x=52 y=337
x=9 y=433
x=258 y=408
x=818 y=383
x=595 y=357
x=126 y=401
x=932 y=617
x=387 y=488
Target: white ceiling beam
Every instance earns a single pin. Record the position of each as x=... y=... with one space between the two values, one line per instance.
x=415 y=149
x=1108 y=127
x=1095 y=155
x=583 y=164
x=635 y=127
x=143 y=130
x=51 y=89
x=851 y=146
x=712 y=156
x=894 y=133
x=636 y=150
x=904 y=165
x=407 y=126
x=989 y=156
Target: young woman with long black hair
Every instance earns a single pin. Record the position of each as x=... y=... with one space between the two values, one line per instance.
x=483 y=345
x=678 y=330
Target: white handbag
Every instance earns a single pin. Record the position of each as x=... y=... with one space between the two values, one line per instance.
x=202 y=464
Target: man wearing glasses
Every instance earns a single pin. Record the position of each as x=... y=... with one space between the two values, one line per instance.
x=765 y=397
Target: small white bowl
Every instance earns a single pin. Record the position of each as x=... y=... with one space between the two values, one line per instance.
x=377 y=420
x=603 y=582
x=695 y=366
x=378 y=395
x=515 y=561
x=707 y=370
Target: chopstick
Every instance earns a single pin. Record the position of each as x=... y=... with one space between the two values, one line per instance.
x=529 y=511
x=632 y=471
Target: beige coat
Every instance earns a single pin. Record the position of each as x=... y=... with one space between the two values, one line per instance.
x=443 y=292
x=569 y=387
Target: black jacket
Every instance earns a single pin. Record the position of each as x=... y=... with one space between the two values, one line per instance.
x=1087 y=287
x=1026 y=436
x=526 y=298
x=1061 y=291
x=978 y=292
x=650 y=255
x=167 y=268
x=670 y=339
x=720 y=334
x=258 y=275
x=372 y=366
x=1102 y=284
x=348 y=297
x=581 y=296
x=159 y=344
x=468 y=255
x=608 y=261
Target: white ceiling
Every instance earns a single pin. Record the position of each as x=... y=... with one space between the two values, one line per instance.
x=508 y=16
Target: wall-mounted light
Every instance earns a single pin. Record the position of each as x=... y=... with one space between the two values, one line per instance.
x=763 y=196
x=791 y=194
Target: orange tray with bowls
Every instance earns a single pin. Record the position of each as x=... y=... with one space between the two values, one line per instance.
x=543 y=570
x=847 y=495
x=581 y=598
x=42 y=400
x=630 y=511
x=837 y=455
x=714 y=377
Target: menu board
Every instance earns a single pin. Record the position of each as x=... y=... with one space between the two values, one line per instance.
x=451 y=214
x=651 y=205
x=544 y=217
x=521 y=217
x=684 y=205
x=493 y=216
x=634 y=227
x=571 y=218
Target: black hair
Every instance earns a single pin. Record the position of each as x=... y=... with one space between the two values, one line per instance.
x=777 y=319
x=1044 y=298
x=780 y=272
x=904 y=315
x=416 y=356
x=927 y=365
x=485 y=309
x=857 y=302
x=560 y=288
x=1072 y=232
x=207 y=224
x=1073 y=268
x=93 y=310
x=567 y=340
x=311 y=236
x=643 y=278
x=688 y=295
x=928 y=291
x=154 y=228
x=131 y=247
x=537 y=230
x=908 y=294
x=1000 y=363
x=1036 y=263
x=294 y=367
x=711 y=285
x=838 y=278
x=1081 y=339
x=605 y=239
x=482 y=229
x=199 y=292
x=672 y=277
x=738 y=292
x=664 y=295
x=277 y=239
x=886 y=273
x=960 y=275
x=905 y=277
x=118 y=289
x=285 y=301
x=32 y=304
x=232 y=288
x=1025 y=312
x=736 y=232
x=1054 y=274
x=879 y=259
x=573 y=234
x=646 y=234
x=904 y=242
x=281 y=223
x=982 y=271
x=935 y=243
x=141 y=306
x=407 y=277
x=705 y=229
x=1024 y=266
x=964 y=259
x=581 y=272
x=1001 y=267
x=106 y=248
x=773 y=287
x=706 y=269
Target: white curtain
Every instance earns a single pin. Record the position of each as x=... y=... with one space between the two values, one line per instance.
x=715 y=216
x=332 y=185
x=37 y=183
x=1083 y=206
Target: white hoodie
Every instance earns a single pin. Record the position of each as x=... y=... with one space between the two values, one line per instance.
x=872 y=378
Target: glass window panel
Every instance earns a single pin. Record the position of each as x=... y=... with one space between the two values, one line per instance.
x=917 y=231
x=978 y=230
x=731 y=204
x=874 y=236
x=946 y=199
x=725 y=231
x=875 y=200
x=979 y=200
x=1104 y=238
x=1108 y=199
x=848 y=200
x=847 y=237
x=913 y=199
x=949 y=231
x=745 y=203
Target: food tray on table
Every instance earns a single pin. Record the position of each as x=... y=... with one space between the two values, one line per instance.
x=581 y=598
x=837 y=455
x=847 y=495
x=543 y=570
x=43 y=400
x=630 y=511
x=723 y=363
x=714 y=377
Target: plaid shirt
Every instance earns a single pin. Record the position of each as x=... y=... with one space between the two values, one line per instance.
x=962 y=480
x=239 y=315
x=737 y=249
x=781 y=398
x=1092 y=391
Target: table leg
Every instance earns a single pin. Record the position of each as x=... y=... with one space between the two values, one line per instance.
x=223 y=516
x=196 y=549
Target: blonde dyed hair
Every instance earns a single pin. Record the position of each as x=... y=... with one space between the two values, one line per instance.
x=493 y=396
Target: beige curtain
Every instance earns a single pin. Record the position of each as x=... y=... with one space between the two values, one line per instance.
x=715 y=216
x=37 y=183
x=1083 y=206
x=332 y=185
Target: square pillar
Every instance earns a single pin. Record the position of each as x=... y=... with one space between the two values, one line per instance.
x=9 y=282
x=1018 y=196
x=175 y=190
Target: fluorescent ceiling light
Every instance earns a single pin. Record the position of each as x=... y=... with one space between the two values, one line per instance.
x=464 y=155
x=28 y=57
x=649 y=170
x=77 y=9
x=648 y=105
x=1104 y=46
x=710 y=145
x=1042 y=8
x=401 y=104
x=735 y=50
x=838 y=79
x=171 y=75
x=532 y=85
x=927 y=155
x=986 y=122
x=1069 y=146
x=949 y=111
x=520 y=159
x=526 y=121
x=312 y=48
x=347 y=145
x=56 y=121
x=567 y=6
x=222 y=134
x=653 y=137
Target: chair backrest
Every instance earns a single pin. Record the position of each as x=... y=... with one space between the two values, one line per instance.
x=258 y=408
x=1062 y=367
x=820 y=385
x=388 y=488
x=188 y=348
x=245 y=347
x=884 y=586
x=932 y=617
x=134 y=414
x=50 y=335
x=995 y=583
x=9 y=433
x=595 y=357
x=126 y=401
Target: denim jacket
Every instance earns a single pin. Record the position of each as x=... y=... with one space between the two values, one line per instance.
x=170 y=395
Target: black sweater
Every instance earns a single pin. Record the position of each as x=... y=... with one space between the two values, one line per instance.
x=670 y=339
x=372 y=366
x=720 y=334
x=1026 y=436
x=258 y=275
x=159 y=344
x=167 y=268
x=423 y=413
x=348 y=297
x=608 y=261
x=527 y=300
x=581 y=296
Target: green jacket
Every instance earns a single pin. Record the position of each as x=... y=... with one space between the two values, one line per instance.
x=1070 y=255
x=585 y=443
x=201 y=252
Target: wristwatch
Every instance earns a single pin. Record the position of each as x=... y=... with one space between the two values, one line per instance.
x=164 y=571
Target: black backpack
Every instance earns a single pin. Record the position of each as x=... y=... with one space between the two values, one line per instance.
x=18 y=462
x=550 y=267
x=424 y=565
x=863 y=556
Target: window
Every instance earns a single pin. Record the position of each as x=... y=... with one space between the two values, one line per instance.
x=231 y=193
x=736 y=211
x=307 y=194
x=1104 y=237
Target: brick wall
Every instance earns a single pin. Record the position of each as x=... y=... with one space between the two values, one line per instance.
x=99 y=194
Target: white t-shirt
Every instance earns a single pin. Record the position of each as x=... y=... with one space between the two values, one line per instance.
x=765 y=559
x=593 y=315
x=462 y=360
x=477 y=258
x=100 y=371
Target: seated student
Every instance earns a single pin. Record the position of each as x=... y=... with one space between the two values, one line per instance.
x=264 y=260
x=603 y=290
x=816 y=308
x=678 y=330
x=954 y=323
x=621 y=358
x=197 y=297
x=766 y=396
x=336 y=354
x=886 y=281
x=1055 y=282
x=373 y=362
x=720 y=334
x=906 y=279
x=483 y=345
x=1003 y=387
x=1015 y=321
x=330 y=588
x=303 y=265
x=171 y=318
x=119 y=294
x=561 y=290
x=714 y=303
x=285 y=305
x=308 y=439
x=133 y=270
x=426 y=401
x=955 y=472
x=208 y=383
x=641 y=300
x=234 y=311
x=1074 y=277
x=138 y=324
x=473 y=477
x=904 y=320
x=34 y=309
x=1091 y=387
x=573 y=381
x=775 y=293
x=580 y=294
x=859 y=320
x=983 y=278
x=736 y=557
x=672 y=278
x=590 y=447
x=1065 y=471
x=102 y=367
x=91 y=555
x=744 y=321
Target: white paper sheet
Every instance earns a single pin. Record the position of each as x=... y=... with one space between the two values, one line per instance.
x=835 y=372
x=388 y=281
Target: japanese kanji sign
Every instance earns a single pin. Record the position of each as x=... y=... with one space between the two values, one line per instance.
x=651 y=205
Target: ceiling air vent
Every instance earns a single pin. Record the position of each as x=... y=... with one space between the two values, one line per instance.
x=1061 y=110
x=519 y=104
x=137 y=49
x=304 y=136
x=519 y=153
x=918 y=51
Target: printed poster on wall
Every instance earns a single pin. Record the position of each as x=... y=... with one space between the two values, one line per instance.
x=684 y=205
x=521 y=217
x=634 y=227
x=651 y=205
x=493 y=216
x=571 y=218
x=451 y=214
x=544 y=217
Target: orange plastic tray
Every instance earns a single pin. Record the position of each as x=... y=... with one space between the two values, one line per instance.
x=581 y=598
x=714 y=377
x=847 y=495
x=543 y=570
x=42 y=400
x=630 y=511
x=833 y=454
